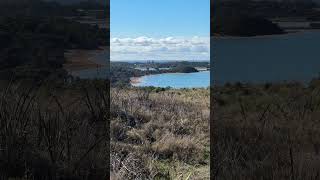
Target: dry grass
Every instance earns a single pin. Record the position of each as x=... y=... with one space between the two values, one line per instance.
x=266 y=132
x=166 y=133
x=52 y=133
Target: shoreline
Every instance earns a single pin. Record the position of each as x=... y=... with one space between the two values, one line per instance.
x=135 y=80
x=79 y=59
x=287 y=32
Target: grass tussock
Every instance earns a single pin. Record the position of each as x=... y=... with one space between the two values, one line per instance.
x=266 y=131
x=52 y=133
x=159 y=134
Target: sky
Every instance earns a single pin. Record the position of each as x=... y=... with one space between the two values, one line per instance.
x=160 y=29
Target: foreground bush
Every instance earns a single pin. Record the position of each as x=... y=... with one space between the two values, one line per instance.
x=50 y=133
x=266 y=131
x=159 y=134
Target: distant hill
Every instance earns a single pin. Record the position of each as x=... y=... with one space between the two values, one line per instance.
x=63 y=2
x=317 y=1
x=254 y=17
x=238 y=25
x=47 y=7
x=78 y=1
x=184 y=69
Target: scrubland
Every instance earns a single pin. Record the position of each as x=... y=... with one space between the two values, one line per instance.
x=49 y=132
x=159 y=134
x=268 y=131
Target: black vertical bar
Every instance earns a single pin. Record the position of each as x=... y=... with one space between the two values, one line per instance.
x=211 y=93
x=108 y=87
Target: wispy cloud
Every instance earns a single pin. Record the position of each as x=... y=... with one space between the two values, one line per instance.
x=169 y=48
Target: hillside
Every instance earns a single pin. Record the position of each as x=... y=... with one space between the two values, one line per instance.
x=251 y=18
x=268 y=130
x=159 y=134
x=35 y=35
x=67 y=2
x=184 y=69
x=238 y=25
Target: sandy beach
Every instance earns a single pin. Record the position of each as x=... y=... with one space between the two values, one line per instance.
x=135 y=80
x=79 y=59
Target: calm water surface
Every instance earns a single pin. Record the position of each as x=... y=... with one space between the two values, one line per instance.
x=177 y=80
x=266 y=59
x=95 y=73
x=291 y=57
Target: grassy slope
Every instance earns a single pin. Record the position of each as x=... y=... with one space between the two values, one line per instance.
x=269 y=131
x=48 y=132
x=160 y=134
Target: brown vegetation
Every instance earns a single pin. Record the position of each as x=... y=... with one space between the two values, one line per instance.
x=78 y=59
x=53 y=133
x=266 y=131
x=159 y=134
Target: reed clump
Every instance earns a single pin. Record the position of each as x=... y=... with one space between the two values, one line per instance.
x=53 y=133
x=165 y=132
x=267 y=131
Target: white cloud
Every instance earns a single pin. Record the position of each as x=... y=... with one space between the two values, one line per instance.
x=169 y=48
x=200 y=49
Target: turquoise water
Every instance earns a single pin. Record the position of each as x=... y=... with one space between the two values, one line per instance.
x=177 y=80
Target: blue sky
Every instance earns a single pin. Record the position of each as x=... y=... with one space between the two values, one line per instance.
x=154 y=28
